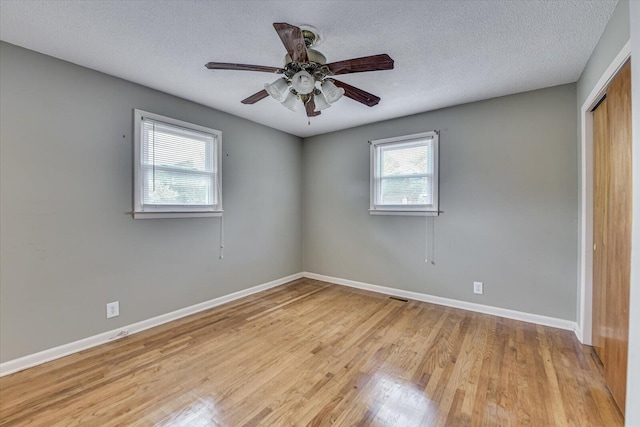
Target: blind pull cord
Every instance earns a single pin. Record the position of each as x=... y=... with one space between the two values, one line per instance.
x=429 y=245
x=219 y=190
x=221 y=255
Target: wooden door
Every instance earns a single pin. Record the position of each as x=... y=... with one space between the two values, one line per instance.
x=600 y=202
x=612 y=231
x=618 y=234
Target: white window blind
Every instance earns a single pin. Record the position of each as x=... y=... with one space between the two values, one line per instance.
x=177 y=170
x=404 y=174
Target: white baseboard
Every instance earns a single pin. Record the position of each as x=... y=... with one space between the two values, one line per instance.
x=480 y=308
x=44 y=356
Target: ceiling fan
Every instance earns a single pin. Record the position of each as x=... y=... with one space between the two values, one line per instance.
x=306 y=76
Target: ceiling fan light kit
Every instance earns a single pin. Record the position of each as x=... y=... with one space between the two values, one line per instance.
x=277 y=89
x=306 y=75
x=331 y=91
x=303 y=82
x=291 y=101
x=320 y=100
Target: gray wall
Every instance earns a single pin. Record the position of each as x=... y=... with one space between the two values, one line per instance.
x=68 y=245
x=508 y=187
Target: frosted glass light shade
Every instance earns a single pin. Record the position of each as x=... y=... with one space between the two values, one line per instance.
x=331 y=92
x=321 y=102
x=303 y=82
x=277 y=89
x=291 y=102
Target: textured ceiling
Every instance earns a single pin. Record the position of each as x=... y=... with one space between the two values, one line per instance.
x=446 y=52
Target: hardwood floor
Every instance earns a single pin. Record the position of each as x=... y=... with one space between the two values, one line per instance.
x=312 y=353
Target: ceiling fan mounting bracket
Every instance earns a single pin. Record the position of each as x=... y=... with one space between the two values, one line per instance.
x=311 y=35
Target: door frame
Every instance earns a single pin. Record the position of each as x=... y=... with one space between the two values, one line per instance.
x=585 y=223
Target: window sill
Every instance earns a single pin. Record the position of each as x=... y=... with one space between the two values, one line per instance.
x=402 y=212
x=158 y=215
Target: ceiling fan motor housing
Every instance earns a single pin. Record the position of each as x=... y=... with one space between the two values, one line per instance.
x=313 y=56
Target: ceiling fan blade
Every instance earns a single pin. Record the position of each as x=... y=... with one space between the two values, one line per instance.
x=240 y=67
x=360 y=65
x=293 y=41
x=356 y=94
x=310 y=106
x=255 y=97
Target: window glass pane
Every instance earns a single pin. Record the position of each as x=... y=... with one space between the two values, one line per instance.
x=162 y=187
x=406 y=191
x=167 y=145
x=407 y=160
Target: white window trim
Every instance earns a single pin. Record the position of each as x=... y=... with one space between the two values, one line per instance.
x=408 y=210
x=171 y=211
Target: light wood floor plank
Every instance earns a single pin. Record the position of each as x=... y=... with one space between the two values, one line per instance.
x=312 y=353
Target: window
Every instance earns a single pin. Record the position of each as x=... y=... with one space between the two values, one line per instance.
x=176 y=168
x=404 y=175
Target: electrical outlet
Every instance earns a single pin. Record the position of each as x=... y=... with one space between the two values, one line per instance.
x=113 y=309
x=478 y=288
